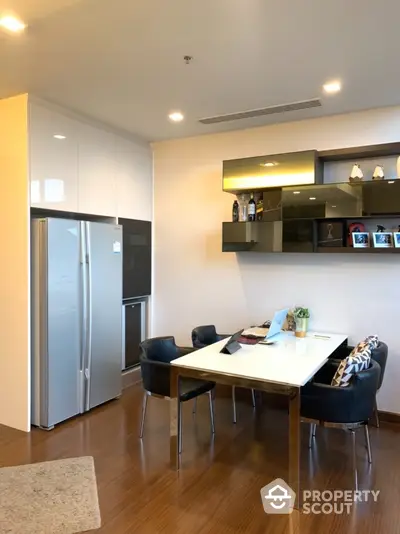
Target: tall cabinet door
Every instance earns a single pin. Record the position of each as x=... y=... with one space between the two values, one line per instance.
x=97 y=194
x=104 y=250
x=53 y=148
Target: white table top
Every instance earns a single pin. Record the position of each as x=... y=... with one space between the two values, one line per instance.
x=290 y=361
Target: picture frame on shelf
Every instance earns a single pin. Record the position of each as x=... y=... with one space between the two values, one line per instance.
x=396 y=239
x=383 y=239
x=361 y=239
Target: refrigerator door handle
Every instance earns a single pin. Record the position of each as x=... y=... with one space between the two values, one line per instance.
x=84 y=317
x=43 y=325
x=88 y=359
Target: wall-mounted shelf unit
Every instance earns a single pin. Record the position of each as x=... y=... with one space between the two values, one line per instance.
x=262 y=173
x=300 y=218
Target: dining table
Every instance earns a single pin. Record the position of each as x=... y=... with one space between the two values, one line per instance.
x=282 y=367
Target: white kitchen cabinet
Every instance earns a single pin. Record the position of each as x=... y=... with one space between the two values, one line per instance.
x=53 y=162
x=89 y=170
x=133 y=180
x=96 y=172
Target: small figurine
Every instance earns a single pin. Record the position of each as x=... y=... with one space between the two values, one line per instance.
x=380 y=228
x=378 y=173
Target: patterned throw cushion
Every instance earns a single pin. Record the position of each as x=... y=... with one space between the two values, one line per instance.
x=373 y=341
x=351 y=365
x=370 y=342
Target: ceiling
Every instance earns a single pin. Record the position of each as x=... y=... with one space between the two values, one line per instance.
x=121 y=62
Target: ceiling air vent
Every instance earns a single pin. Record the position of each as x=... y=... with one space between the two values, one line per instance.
x=283 y=108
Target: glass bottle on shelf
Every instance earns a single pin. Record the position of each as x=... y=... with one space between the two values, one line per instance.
x=235 y=211
x=251 y=210
x=243 y=209
x=260 y=208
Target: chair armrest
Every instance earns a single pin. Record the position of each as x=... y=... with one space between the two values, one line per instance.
x=155 y=376
x=327 y=372
x=324 y=402
x=220 y=337
x=341 y=352
x=182 y=351
x=154 y=363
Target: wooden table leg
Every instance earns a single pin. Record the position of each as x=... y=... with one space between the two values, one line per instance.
x=294 y=444
x=174 y=421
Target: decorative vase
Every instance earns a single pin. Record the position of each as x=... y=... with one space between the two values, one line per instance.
x=301 y=327
x=379 y=173
x=356 y=174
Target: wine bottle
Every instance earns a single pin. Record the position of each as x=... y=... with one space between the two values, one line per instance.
x=235 y=211
x=251 y=212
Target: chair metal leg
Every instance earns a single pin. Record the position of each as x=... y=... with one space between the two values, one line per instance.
x=144 y=407
x=180 y=427
x=234 y=404
x=314 y=430
x=312 y=434
x=195 y=405
x=366 y=431
x=353 y=438
x=210 y=399
x=376 y=414
x=253 y=398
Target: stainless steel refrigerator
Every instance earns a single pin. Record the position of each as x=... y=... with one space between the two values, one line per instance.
x=76 y=317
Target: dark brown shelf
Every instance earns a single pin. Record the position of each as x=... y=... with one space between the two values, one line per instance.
x=360 y=152
x=351 y=250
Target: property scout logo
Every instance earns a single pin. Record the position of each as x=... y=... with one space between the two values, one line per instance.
x=278 y=498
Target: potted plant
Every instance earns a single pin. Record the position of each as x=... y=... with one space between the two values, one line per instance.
x=301 y=317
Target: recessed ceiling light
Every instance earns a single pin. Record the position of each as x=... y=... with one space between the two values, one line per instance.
x=268 y=164
x=333 y=206
x=296 y=192
x=176 y=116
x=332 y=87
x=59 y=136
x=12 y=24
x=313 y=198
x=391 y=182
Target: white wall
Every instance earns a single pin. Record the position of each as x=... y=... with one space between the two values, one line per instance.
x=195 y=283
x=14 y=266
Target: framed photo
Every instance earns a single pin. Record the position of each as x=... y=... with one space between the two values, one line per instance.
x=383 y=239
x=396 y=239
x=360 y=239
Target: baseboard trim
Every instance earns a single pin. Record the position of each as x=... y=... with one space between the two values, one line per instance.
x=131 y=377
x=389 y=417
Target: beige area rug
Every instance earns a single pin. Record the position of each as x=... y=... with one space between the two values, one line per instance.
x=57 y=497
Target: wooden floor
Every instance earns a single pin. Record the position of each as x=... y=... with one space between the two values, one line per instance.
x=218 y=488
